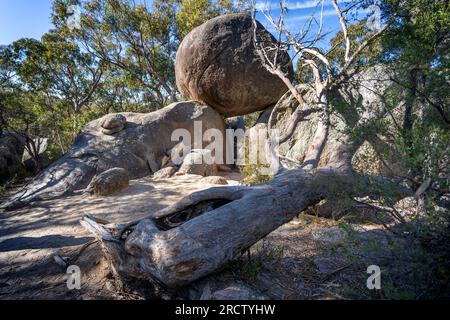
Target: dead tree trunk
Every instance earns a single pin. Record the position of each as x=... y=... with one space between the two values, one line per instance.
x=203 y=232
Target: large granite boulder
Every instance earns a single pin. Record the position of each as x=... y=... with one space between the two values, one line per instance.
x=139 y=148
x=217 y=63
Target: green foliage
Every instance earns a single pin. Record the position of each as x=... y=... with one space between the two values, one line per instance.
x=358 y=33
x=253 y=174
x=407 y=139
x=137 y=42
x=120 y=58
x=193 y=13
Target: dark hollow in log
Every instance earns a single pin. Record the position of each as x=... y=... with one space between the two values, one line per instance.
x=178 y=218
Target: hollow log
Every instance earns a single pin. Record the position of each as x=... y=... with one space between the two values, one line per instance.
x=202 y=233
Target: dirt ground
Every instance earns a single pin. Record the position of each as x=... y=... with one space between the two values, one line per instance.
x=305 y=259
x=29 y=238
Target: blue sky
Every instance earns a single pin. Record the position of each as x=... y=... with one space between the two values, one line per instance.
x=31 y=18
x=300 y=13
x=24 y=18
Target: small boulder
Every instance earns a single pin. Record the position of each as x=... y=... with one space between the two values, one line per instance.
x=113 y=123
x=109 y=182
x=214 y=180
x=196 y=163
x=164 y=173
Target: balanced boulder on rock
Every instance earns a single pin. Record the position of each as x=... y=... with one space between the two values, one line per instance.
x=217 y=64
x=113 y=123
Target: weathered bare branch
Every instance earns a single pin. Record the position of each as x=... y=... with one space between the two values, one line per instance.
x=363 y=46
x=343 y=23
x=270 y=66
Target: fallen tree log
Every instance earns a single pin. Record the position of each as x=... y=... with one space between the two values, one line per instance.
x=202 y=233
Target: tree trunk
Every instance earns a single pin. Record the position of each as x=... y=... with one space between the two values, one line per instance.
x=203 y=232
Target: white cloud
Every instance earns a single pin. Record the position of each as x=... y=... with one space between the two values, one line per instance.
x=303 y=5
x=266 y=5
x=298 y=5
x=326 y=13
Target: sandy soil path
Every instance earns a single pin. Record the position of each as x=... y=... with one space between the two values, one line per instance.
x=29 y=238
